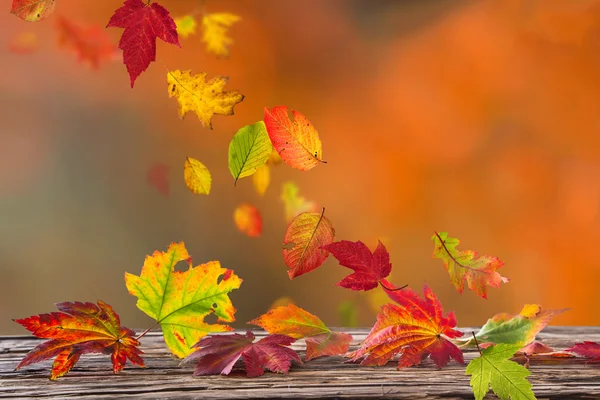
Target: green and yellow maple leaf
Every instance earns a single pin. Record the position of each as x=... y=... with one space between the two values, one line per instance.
x=180 y=300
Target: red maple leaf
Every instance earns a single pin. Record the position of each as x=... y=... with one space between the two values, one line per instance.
x=369 y=268
x=415 y=328
x=588 y=350
x=217 y=354
x=143 y=23
x=80 y=328
x=158 y=177
x=90 y=43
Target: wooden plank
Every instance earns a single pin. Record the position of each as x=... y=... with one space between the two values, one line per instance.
x=327 y=377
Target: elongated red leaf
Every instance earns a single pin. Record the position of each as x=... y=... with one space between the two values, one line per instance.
x=587 y=349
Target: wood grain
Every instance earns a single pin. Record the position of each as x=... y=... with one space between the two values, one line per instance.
x=322 y=378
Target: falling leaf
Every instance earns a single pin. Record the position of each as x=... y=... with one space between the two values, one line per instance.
x=537 y=351
x=180 y=300
x=206 y=99
x=274 y=158
x=294 y=204
x=281 y=301
x=248 y=220
x=415 y=328
x=369 y=268
x=89 y=43
x=506 y=378
x=196 y=176
x=261 y=179
x=348 y=313
x=215 y=26
x=217 y=354
x=587 y=349
x=479 y=271
x=80 y=328
x=307 y=234
x=32 y=10
x=517 y=329
x=143 y=22
x=249 y=149
x=24 y=43
x=186 y=26
x=297 y=141
x=158 y=177
x=298 y=323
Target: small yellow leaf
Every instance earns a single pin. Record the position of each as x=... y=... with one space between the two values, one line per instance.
x=206 y=99
x=215 y=27
x=275 y=158
x=294 y=203
x=197 y=177
x=186 y=26
x=261 y=179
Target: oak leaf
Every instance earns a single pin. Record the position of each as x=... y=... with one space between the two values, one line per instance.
x=478 y=271
x=143 y=23
x=196 y=176
x=298 y=323
x=80 y=328
x=206 y=99
x=180 y=300
x=414 y=328
x=369 y=268
x=506 y=378
x=306 y=235
x=249 y=149
x=261 y=179
x=294 y=204
x=517 y=329
x=32 y=10
x=89 y=43
x=587 y=349
x=214 y=32
x=248 y=220
x=217 y=354
x=297 y=141
x=186 y=26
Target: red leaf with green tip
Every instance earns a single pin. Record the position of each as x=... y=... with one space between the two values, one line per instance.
x=143 y=23
x=80 y=328
x=369 y=268
x=587 y=349
x=414 y=328
x=217 y=354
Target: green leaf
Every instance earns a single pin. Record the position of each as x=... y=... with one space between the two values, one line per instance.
x=249 y=149
x=507 y=378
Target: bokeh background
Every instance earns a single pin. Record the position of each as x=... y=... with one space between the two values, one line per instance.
x=480 y=118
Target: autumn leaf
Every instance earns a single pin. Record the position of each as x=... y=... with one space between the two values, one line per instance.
x=33 y=10
x=196 y=176
x=478 y=271
x=143 y=22
x=293 y=203
x=249 y=149
x=274 y=158
x=281 y=301
x=80 y=328
x=369 y=268
x=24 y=43
x=415 y=328
x=348 y=313
x=215 y=26
x=157 y=177
x=186 y=26
x=506 y=378
x=248 y=220
x=537 y=350
x=89 y=43
x=306 y=235
x=180 y=300
x=261 y=179
x=297 y=141
x=298 y=323
x=217 y=354
x=587 y=349
x=517 y=329
x=206 y=99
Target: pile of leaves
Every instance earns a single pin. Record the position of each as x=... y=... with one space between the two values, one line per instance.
x=409 y=329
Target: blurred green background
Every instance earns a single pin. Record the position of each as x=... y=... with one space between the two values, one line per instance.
x=480 y=118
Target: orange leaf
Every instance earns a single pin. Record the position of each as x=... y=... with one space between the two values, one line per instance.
x=307 y=234
x=248 y=220
x=89 y=43
x=32 y=10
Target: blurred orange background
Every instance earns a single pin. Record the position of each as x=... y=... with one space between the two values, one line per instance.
x=480 y=118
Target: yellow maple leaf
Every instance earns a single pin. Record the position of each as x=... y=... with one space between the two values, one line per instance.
x=215 y=28
x=206 y=99
x=186 y=26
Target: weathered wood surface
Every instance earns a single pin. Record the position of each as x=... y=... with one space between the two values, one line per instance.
x=322 y=378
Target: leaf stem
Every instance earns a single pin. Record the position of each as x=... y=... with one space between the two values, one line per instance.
x=390 y=289
x=146 y=331
x=476 y=343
